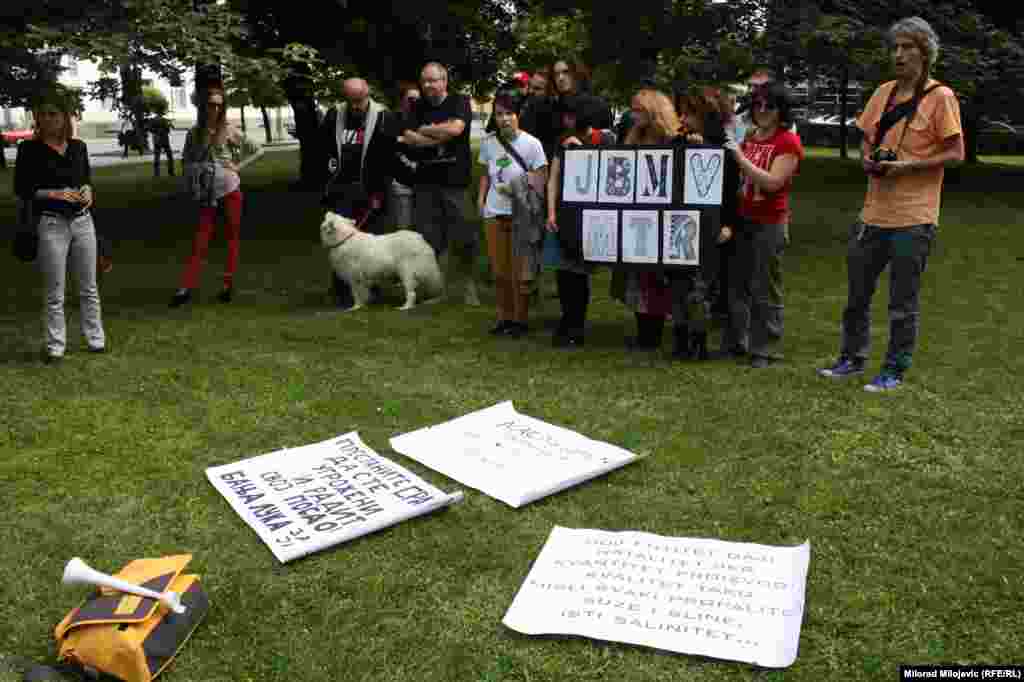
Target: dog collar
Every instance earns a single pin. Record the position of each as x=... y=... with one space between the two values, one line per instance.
x=351 y=234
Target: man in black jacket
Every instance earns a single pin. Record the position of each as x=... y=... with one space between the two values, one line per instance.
x=358 y=141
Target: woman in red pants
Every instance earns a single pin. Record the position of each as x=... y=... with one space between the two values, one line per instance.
x=218 y=146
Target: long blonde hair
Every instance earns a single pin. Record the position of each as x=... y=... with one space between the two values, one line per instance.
x=664 y=122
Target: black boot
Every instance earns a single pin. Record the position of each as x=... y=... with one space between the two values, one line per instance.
x=680 y=342
x=564 y=295
x=698 y=343
x=180 y=298
x=574 y=293
x=649 y=329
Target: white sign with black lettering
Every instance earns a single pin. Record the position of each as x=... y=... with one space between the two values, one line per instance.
x=730 y=600
x=511 y=457
x=305 y=499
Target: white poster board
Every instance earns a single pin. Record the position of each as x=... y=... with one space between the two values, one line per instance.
x=579 y=177
x=681 y=237
x=656 y=168
x=617 y=180
x=511 y=457
x=600 y=235
x=705 y=169
x=305 y=499
x=728 y=600
x=639 y=236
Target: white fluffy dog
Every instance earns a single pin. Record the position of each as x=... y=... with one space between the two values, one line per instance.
x=366 y=260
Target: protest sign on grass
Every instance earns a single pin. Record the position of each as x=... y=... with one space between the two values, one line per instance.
x=729 y=600
x=511 y=457
x=302 y=500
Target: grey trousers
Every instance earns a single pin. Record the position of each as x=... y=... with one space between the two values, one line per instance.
x=440 y=219
x=905 y=250
x=755 y=290
x=401 y=206
x=64 y=241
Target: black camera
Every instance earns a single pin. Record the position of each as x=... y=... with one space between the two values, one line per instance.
x=883 y=154
x=880 y=155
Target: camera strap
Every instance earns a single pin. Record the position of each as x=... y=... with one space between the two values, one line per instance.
x=892 y=116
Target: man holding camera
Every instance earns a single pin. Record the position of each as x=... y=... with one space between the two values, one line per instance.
x=912 y=132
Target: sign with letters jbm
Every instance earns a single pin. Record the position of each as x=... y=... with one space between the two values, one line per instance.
x=642 y=205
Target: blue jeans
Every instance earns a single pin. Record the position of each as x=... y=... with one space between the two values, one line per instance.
x=905 y=250
x=64 y=241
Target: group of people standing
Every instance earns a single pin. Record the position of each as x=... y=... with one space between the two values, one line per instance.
x=742 y=262
x=911 y=132
x=416 y=162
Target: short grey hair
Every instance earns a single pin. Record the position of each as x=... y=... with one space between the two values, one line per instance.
x=435 y=65
x=922 y=33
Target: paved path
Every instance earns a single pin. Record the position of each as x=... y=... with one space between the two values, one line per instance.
x=105 y=151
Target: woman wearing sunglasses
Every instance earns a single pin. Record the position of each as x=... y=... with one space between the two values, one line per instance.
x=768 y=158
x=214 y=140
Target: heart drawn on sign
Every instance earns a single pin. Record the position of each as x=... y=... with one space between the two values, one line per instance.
x=705 y=170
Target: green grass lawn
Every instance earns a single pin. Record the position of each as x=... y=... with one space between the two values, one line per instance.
x=912 y=501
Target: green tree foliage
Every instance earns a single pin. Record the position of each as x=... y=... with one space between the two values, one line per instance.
x=676 y=43
x=153 y=101
x=842 y=40
x=382 y=41
x=26 y=65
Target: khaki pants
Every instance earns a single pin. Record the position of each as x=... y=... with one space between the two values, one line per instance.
x=511 y=286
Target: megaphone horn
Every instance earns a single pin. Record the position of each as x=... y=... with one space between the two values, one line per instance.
x=78 y=572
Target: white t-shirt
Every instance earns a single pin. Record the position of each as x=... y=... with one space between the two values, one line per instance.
x=501 y=168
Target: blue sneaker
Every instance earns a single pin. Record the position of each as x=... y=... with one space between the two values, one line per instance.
x=843 y=367
x=886 y=380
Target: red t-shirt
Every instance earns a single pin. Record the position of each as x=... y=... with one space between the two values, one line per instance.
x=768 y=208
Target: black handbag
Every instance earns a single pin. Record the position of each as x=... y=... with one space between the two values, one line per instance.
x=26 y=237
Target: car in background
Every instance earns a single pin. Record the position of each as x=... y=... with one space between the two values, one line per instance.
x=989 y=125
x=16 y=136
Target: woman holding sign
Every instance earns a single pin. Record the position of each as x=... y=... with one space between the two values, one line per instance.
x=648 y=293
x=579 y=114
x=508 y=154
x=705 y=115
x=768 y=159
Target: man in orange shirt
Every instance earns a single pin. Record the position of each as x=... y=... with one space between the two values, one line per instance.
x=912 y=132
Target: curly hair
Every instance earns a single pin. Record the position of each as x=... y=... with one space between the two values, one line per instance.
x=664 y=122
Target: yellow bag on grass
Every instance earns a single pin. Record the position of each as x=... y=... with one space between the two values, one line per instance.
x=130 y=637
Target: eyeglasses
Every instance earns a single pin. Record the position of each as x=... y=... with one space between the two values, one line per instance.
x=762 y=105
x=219 y=105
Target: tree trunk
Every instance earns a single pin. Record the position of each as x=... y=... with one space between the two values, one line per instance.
x=971 y=124
x=266 y=124
x=312 y=160
x=844 y=108
x=243 y=119
x=131 y=101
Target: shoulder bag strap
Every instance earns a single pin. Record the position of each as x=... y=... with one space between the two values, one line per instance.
x=897 y=114
x=515 y=155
